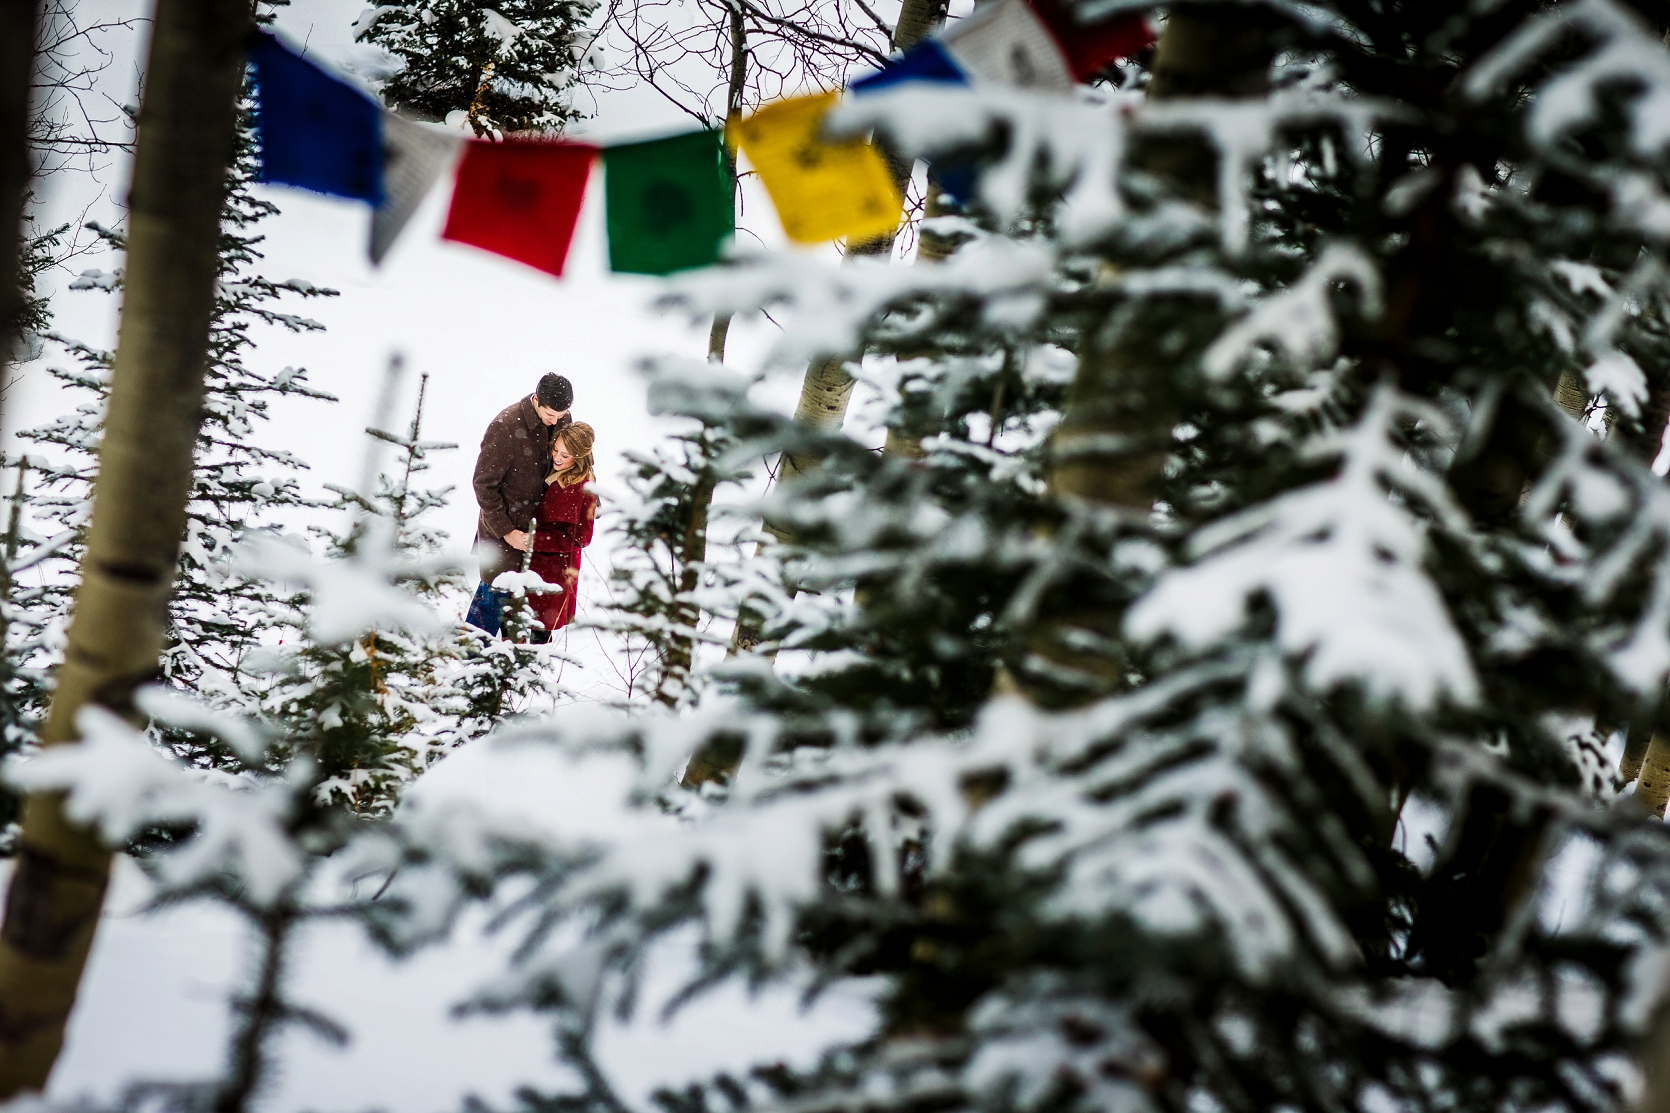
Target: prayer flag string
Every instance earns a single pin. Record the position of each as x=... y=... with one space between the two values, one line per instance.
x=520 y=199
x=823 y=189
x=315 y=130
x=669 y=203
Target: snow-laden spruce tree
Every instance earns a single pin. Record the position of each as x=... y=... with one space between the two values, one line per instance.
x=505 y=65
x=361 y=704
x=240 y=483
x=1123 y=757
x=672 y=590
x=365 y=702
x=1201 y=723
x=29 y=630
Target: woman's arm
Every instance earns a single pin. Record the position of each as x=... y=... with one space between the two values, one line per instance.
x=555 y=537
x=583 y=531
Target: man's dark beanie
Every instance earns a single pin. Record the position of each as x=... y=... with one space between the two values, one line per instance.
x=555 y=392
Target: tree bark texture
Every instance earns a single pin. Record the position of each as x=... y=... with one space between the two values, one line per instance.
x=1111 y=445
x=917 y=20
x=19 y=25
x=1636 y=742
x=185 y=140
x=1105 y=449
x=1654 y=789
x=827 y=388
x=716 y=336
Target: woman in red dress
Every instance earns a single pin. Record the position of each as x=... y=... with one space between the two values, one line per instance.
x=566 y=517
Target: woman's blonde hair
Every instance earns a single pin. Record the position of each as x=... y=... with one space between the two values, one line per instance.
x=578 y=439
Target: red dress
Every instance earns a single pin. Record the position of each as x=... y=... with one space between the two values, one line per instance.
x=566 y=517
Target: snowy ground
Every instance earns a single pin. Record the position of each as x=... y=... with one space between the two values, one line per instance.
x=484 y=329
x=153 y=1004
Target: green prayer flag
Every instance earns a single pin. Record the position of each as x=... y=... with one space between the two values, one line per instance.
x=669 y=203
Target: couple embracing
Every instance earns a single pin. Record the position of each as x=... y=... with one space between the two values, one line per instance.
x=535 y=466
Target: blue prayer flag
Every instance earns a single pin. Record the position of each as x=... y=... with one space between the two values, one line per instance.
x=315 y=131
x=959 y=180
x=926 y=61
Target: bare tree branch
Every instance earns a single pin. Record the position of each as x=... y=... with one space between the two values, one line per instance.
x=811 y=33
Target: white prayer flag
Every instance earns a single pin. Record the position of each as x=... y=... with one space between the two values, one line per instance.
x=1006 y=43
x=413 y=157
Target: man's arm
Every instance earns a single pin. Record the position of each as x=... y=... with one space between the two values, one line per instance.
x=491 y=466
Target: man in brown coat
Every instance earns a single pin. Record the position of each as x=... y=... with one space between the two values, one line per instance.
x=509 y=482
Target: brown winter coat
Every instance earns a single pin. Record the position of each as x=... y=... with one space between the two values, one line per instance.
x=510 y=482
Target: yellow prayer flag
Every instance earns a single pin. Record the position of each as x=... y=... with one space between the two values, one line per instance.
x=822 y=190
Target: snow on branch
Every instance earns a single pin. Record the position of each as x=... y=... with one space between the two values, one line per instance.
x=1299 y=321
x=1341 y=563
x=1625 y=512
x=1078 y=148
x=117 y=781
x=834 y=303
x=1123 y=801
x=695 y=388
x=1626 y=51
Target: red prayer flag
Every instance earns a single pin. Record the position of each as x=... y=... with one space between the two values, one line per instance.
x=1090 y=47
x=520 y=199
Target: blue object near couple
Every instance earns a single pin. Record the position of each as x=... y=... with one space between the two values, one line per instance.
x=487 y=613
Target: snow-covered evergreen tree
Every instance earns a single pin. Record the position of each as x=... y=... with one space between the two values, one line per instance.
x=503 y=67
x=491 y=679
x=1198 y=724
x=371 y=709
x=1110 y=762
x=27 y=631
x=668 y=594
x=240 y=484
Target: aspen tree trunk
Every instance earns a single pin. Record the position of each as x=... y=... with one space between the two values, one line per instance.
x=1654 y=789
x=1637 y=736
x=1114 y=435
x=917 y=20
x=827 y=389
x=1104 y=448
x=931 y=247
x=186 y=129
x=1655 y=414
x=692 y=551
x=19 y=21
x=1571 y=395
